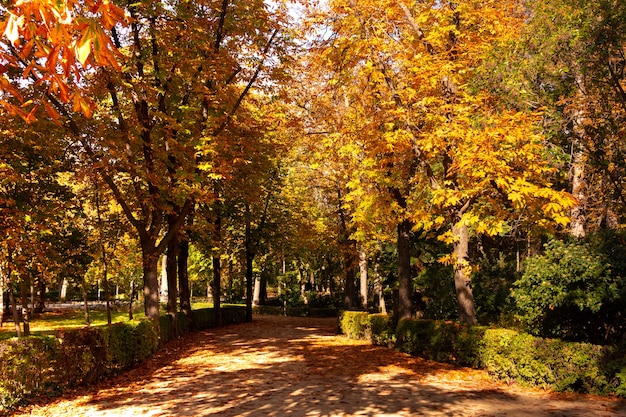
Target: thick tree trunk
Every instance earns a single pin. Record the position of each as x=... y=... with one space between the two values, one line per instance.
x=363 y=278
x=150 y=259
x=462 y=280
x=405 y=283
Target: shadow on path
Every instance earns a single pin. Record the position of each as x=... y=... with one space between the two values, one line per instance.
x=279 y=366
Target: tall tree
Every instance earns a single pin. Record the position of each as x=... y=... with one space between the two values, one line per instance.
x=165 y=98
x=441 y=154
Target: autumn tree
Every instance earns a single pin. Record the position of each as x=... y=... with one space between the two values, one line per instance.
x=570 y=60
x=161 y=99
x=42 y=222
x=438 y=153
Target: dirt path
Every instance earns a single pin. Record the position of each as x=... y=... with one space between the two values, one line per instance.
x=279 y=366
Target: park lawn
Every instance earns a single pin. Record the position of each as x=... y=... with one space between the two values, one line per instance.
x=50 y=322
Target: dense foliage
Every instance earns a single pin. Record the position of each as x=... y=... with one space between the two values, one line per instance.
x=507 y=355
x=575 y=290
x=50 y=364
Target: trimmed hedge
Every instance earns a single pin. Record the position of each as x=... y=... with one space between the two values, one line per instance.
x=506 y=354
x=48 y=364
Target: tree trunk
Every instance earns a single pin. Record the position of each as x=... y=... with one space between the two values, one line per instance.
x=63 y=290
x=363 y=278
x=85 y=301
x=256 y=299
x=249 y=277
x=25 y=309
x=462 y=281
x=172 y=280
x=263 y=290
x=183 y=278
x=405 y=283
x=578 y=212
x=163 y=292
x=130 y=302
x=378 y=287
x=231 y=280
x=150 y=260
x=15 y=313
x=3 y=281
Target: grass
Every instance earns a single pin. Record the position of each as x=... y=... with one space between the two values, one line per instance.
x=50 y=322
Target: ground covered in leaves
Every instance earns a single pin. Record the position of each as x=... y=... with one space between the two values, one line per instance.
x=280 y=366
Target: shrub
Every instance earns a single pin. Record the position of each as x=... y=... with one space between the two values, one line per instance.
x=381 y=329
x=355 y=324
x=32 y=366
x=506 y=354
x=440 y=341
x=575 y=290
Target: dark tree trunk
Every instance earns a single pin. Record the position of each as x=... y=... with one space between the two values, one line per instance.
x=150 y=258
x=15 y=313
x=405 y=284
x=25 y=309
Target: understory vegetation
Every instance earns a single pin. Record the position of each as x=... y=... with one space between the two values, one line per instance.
x=507 y=355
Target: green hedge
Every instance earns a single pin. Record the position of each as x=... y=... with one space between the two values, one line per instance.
x=48 y=364
x=506 y=354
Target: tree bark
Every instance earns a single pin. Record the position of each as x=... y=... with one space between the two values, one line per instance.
x=150 y=260
x=172 y=280
x=462 y=281
x=85 y=301
x=363 y=278
x=405 y=283
x=16 y=316
x=183 y=278
x=2 y=289
x=578 y=212
x=256 y=299
x=249 y=277
x=378 y=287
x=25 y=309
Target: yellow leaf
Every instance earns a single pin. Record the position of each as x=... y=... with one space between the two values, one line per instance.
x=83 y=50
x=12 y=30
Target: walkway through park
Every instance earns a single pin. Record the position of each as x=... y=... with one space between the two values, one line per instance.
x=279 y=366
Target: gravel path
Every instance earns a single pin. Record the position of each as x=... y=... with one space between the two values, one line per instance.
x=278 y=366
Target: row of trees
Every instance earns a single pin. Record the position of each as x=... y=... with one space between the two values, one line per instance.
x=306 y=139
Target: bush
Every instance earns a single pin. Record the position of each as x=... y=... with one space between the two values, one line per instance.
x=575 y=290
x=506 y=354
x=355 y=324
x=441 y=341
x=37 y=365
